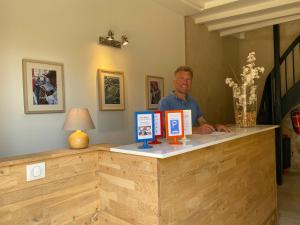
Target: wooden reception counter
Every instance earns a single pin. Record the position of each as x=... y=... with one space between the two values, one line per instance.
x=216 y=179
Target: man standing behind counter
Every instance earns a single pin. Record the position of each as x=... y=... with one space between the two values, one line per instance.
x=180 y=99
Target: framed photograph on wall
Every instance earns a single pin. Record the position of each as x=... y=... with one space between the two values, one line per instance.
x=154 y=91
x=43 y=86
x=111 y=90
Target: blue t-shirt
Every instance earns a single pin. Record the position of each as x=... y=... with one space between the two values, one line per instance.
x=172 y=102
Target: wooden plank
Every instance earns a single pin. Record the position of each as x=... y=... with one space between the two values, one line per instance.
x=51 y=154
x=231 y=183
x=128 y=189
x=14 y=177
x=226 y=184
x=68 y=195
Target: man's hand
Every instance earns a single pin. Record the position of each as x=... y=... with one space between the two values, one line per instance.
x=222 y=128
x=206 y=128
x=203 y=129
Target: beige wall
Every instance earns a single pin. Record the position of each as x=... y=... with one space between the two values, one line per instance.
x=261 y=41
x=67 y=31
x=211 y=56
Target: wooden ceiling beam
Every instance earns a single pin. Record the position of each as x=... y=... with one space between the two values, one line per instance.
x=200 y=6
x=258 y=25
x=240 y=36
x=243 y=10
x=218 y=3
x=234 y=21
x=194 y=5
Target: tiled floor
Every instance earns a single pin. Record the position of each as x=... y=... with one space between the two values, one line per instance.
x=289 y=199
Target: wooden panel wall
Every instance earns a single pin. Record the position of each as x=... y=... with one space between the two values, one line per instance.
x=227 y=184
x=128 y=189
x=69 y=195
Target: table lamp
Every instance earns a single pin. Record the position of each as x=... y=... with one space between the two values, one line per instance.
x=78 y=119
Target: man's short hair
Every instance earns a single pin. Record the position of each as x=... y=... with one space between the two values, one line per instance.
x=184 y=69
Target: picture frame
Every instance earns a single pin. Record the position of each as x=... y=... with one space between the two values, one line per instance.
x=111 y=90
x=154 y=91
x=43 y=86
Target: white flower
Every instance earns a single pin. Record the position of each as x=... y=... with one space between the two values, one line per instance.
x=250 y=72
x=252 y=97
x=230 y=82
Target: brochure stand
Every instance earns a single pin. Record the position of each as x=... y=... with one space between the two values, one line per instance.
x=175 y=141
x=184 y=139
x=174 y=126
x=157 y=127
x=144 y=128
x=188 y=127
x=155 y=142
x=145 y=145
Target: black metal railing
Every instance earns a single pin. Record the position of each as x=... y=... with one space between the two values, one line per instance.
x=278 y=97
x=266 y=109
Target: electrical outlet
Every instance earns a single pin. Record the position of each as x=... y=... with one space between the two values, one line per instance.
x=35 y=171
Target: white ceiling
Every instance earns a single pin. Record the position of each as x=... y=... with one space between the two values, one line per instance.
x=234 y=17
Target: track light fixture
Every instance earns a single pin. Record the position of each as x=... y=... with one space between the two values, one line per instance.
x=124 y=40
x=110 y=35
x=110 y=40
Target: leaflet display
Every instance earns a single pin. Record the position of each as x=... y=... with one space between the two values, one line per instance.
x=174 y=125
x=144 y=128
x=158 y=127
x=187 y=117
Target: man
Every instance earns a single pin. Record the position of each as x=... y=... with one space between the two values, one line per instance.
x=180 y=99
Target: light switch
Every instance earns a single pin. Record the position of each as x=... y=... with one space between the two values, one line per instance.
x=35 y=171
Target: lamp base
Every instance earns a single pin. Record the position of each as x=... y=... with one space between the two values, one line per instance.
x=78 y=140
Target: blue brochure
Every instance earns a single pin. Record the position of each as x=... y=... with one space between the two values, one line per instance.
x=144 y=128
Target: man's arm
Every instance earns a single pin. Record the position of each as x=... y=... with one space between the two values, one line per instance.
x=205 y=128
x=222 y=128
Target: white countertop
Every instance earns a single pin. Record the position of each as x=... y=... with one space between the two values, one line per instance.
x=197 y=141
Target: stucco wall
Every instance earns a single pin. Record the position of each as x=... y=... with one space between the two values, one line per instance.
x=261 y=41
x=211 y=57
x=67 y=32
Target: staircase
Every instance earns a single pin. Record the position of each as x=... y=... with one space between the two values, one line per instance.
x=291 y=93
x=273 y=106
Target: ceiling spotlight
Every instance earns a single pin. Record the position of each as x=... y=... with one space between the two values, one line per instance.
x=124 y=40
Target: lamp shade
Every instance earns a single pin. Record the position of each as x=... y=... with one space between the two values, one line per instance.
x=78 y=119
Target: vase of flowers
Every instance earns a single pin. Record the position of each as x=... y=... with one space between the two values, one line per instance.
x=245 y=93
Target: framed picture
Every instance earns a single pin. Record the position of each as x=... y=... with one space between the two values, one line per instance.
x=154 y=91
x=43 y=86
x=111 y=90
